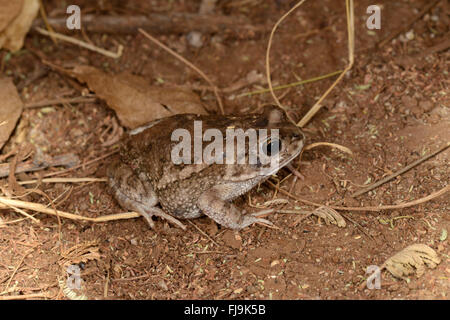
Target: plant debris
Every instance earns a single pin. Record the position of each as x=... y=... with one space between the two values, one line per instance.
x=412 y=259
x=134 y=100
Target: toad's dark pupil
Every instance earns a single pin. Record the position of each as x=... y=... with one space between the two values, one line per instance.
x=272 y=147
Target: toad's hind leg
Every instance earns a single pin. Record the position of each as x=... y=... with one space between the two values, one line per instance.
x=149 y=212
x=135 y=193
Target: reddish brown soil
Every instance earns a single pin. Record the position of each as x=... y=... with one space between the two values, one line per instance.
x=391 y=109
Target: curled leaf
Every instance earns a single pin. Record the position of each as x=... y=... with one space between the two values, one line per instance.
x=71 y=294
x=330 y=216
x=82 y=252
x=16 y=18
x=412 y=259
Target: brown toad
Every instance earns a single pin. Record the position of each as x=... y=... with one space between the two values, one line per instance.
x=207 y=175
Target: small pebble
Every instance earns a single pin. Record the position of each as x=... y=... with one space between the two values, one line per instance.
x=194 y=38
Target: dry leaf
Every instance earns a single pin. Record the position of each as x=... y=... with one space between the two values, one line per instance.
x=134 y=100
x=410 y=259
x=71 y=294
x=8 y=11
x=330 y=216
x=81 y=253
x=16 y=18
x=10 y=110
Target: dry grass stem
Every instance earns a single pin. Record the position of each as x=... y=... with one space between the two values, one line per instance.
x=351 y=50
x=82 y=44
x=189 y=64
x=328 y=144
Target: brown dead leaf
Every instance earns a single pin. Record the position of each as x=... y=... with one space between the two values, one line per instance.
x=16 y=18
x=412 y=258
x=134 y=100
x=10 y=110
x=8 y=11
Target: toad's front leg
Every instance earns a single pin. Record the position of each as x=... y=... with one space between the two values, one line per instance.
x=213 y=205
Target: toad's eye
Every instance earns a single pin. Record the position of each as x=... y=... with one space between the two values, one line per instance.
x=271 y=147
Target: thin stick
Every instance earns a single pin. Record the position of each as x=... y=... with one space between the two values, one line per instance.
x=44 y=209
x=80 y=165
x=25 y=296
x=379 y=208
x=202 y=232
x=328 y=144
x=17 y=268
x=293 y=84
x=162 y=23
x=44 y=103
x=44 y=17
x=67 y=159
x=351 y=49
x=176 y=55
x=408 y=25
x=3 y=223
x=82 y=44
x=269 y=45
x=21 y=212
x=63 y=180
x=405 y=169
x=105 y=290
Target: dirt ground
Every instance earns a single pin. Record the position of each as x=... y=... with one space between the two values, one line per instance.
x=391 y=109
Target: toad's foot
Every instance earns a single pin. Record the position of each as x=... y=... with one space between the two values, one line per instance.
x=250 y=219
x=224 y=212
x=148 y=213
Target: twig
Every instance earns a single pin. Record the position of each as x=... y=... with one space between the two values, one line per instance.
x=295 y=171
x=82 y=44
x=21 y=212
x=351 y=50
x=44 y=103
x=25 y=296
x=360 y=227
x=44 y=17
x=80 y=165
x=407 y=60
x=65 y=160
x=17 y=268
x=4 y=202
x=105 y=289
x=167 y=23
x=408 y=25
x=3 y=223
x=203 y=233
x=405 y=169
x=328 y=144
x=437 y=48
x=63 y=180
x=269 y=45
x=176 y=55
x=379 y=208
x=293 y=84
